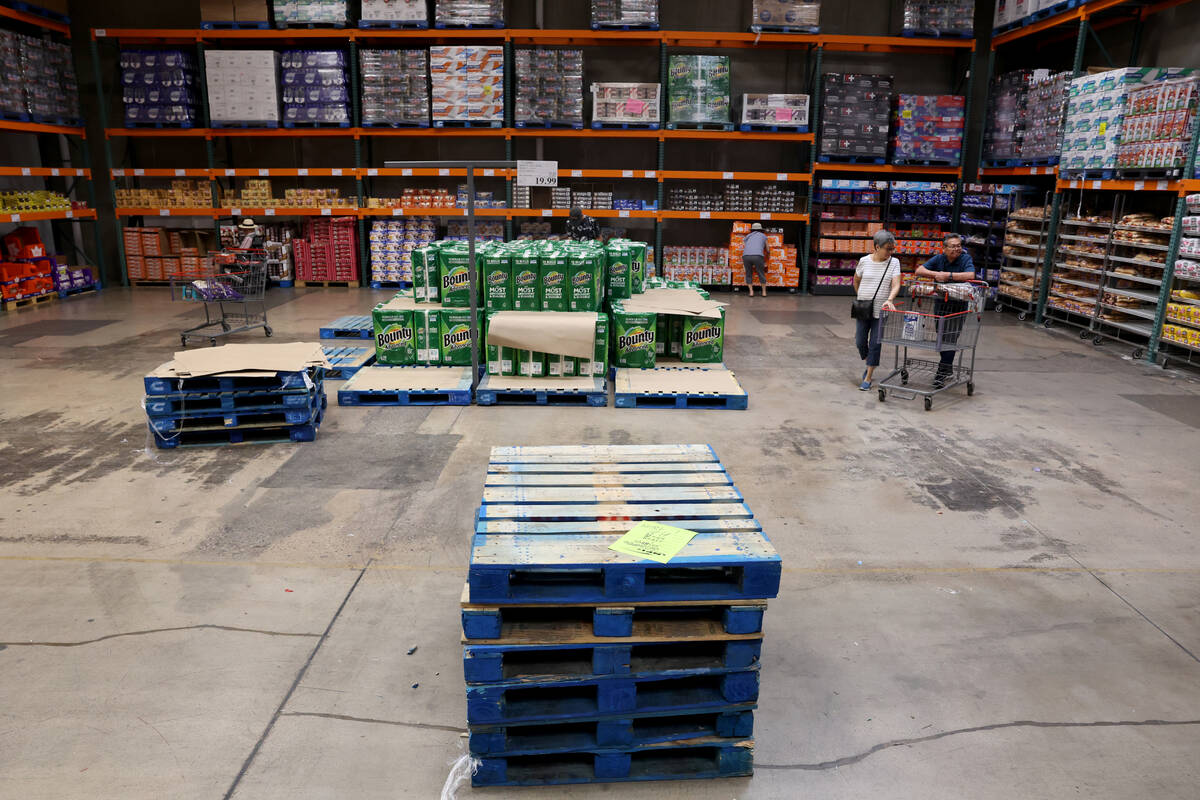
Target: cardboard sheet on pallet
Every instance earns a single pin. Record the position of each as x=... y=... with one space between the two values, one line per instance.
x=564 y=333
x=409 y=379
x=717 y=380
x=579 y=383
x=249 y=360
x=681 y=302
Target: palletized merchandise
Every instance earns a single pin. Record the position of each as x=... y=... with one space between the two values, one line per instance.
x=940 y=17
x=243 y=86
x=786 y=13
x=37 y=77
x=394 y=11
x=782 y=110
x=468 y=83
x=625 y=13
x=393 y=243
x=1045 y=108
x=395 y=87
x=929 y=128
x=857 y=115
x=1097 y=107
x=159 y=86
x=549 y=86
x=626 y=102
x=315 y=87
x=586 y=275
x=407 y=334
x=454 y=275
x=1158 y=126
x=496 y=268
x=1006 y=115
x=320 y=11
x=634 y=336
x=470 y=12
x=699 y=89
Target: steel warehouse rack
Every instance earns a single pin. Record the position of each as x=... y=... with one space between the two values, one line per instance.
x=73 y=173
x=363 y=139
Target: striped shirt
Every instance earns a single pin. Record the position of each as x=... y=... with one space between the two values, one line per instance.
x=871 y=274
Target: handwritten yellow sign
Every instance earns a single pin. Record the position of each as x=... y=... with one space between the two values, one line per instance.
x=654 y=541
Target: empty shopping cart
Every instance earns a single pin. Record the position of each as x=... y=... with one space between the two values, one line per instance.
x=234 y=300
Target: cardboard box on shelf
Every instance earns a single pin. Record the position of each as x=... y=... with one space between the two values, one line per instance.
x=217 y=11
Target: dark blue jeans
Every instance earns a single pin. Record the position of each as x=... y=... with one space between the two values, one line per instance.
x=867 y=339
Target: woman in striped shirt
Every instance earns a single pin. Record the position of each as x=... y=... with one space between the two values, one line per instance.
x=872 y=273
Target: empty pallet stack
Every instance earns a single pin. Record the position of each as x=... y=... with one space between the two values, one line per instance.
x=585 y=664
x=237 y=394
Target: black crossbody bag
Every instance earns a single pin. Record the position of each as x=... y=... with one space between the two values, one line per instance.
x=865 y=309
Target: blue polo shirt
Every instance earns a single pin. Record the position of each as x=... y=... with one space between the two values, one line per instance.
x=961 y=264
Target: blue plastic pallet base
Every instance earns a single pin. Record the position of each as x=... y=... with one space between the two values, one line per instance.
x=186 y=421
x=38 y=11
x=484 y=664
x=266 y=126
x=803 y=29
x=391 y=285
x=930 y=33
x=64 y=293
x=925 y=162
x=603 y=27
x=236 y=436
x=234 y=383
x=730 y=722
x=868 y=160
x=577 y=126
x=700 y=126
x=294 y=124
x=283 y=26
x=462 y=123
x=423 y=124
x=238 y=25
x=747 y=128
x=368 y=24
x=160 y=125
x=736 y=620
x=351 y=327
x=286 y=284
x=213 y=403
x=659 y=763
x=625 y=126
x=345 y=360
x=1087 y=175
x=609 y=695
x=595 y=397
x=469 y=26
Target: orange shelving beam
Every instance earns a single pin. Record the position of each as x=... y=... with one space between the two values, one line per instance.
x=738 y=40
x=1189 y=186
x=36 y=19
x=892 y=44
x=1151 y=185
x=1075 y=14
x=1016 y=172
x=735 y=135
x=584 y=38
x=734 y=176
x=164 y=212
x=44 y=172
x=889 y=169
x=286 y=172
x=37 y=216
x=38 y=127
x=160 y=173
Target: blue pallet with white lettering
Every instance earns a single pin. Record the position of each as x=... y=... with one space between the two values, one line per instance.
x=518 y=664
x=729 y=722
x=359 y=326
x=436 y=389
x=236 y=436
x=596 y=395
x=345 y=360
x=278 y=416
x=235 y=383
x=200 y=403
x=679 y=761
x=614 y=695
x=747 y=127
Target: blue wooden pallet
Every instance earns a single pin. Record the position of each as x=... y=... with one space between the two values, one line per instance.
x=49 y=120
x=308 y=26
x=600 y=26
x=495 y=391
x=238 y=25
x=346 y=360
x=542 y=624
x=484 y=664
x=62 y=293
x=233 y=436
x=393 y=24
x=402 y=285
x=748 y=127
x=306 y=124
x=1159 y=174
x=352 y=327
x=466 y=123
x=268 y=417
x=625 y=126
x=695 y=760
x=700 y=126
x=1001 y=163
x=421 y=124
x=577 y=126
x=924 y=162
x=30 y=8
x=653 y=389
x=1005 y=28
x=269 y=126
x=15 y=116
x=469 y=25
x=930 y=33
x=733 y=721
x=201 y=403
x=1052 y=11
x=611 y=694
x=160 y=125
x=234 y=383
x=1087 y=174
x=809 y=29
x=835 y=159
x=408 y=386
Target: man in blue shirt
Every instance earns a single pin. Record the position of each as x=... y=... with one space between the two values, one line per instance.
x=754 y=257
x=951 y=265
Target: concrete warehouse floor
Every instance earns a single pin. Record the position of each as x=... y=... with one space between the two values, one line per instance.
x=997 y=599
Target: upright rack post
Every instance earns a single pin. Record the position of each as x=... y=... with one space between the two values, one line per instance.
x=814 y=123
x=1168 y=278
x=107 y=166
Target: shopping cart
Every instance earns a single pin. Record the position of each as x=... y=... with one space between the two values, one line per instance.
x=234 y=300
x=939 y=318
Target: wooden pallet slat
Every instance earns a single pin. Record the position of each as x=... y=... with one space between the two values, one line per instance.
x=563 y=480
x=599 y=496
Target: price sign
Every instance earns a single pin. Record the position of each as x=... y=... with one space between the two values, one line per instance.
x=270 y=212
x=727 y=176
x=139 y=172
x=325 y=212
x=651 y=174
x=1139 y=185
x=371 y=173
x=397 y=212
x=118 y=173
x=443 y=172
x=406 y=172
x=1162 y=186
x=336 y=173
x=101 y=33
x=537 y=173
x=302 y=171
x=546 y=212
x=164 y=212
x=576 y=173
x=14 y=218
x=705 y=215
x=26 y=172
x=781 y=176
x=70 y=215
x=1097 y=184
x=179 y=173
x=489 y=173
x=235 y=212
x=622 y=213
x=229 y=173
x=764 y=216
x=628 y=173
x=263 y=173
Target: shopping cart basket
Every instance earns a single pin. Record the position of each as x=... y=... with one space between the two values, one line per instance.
x=937 y=319
x=234 y=300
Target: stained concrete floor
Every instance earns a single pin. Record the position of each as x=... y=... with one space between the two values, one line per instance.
x=997 y=599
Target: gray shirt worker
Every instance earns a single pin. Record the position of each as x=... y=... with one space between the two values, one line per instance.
x=755 y=244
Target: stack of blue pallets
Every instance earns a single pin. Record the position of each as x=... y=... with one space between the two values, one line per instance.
x=585 y=665
x=235 y=409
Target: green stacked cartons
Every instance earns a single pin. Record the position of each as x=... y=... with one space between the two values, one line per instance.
x=408 y=334
x=619 y=258
x=699 y=89
x=454 y=274
x=527 y=277
x=554 y=286
x=586 y=274
x=702 y=341
x=426 y=280
x=634 y=337
x=496 y=265
x=454 y=335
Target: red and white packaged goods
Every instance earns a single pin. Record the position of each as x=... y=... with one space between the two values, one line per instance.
x=708 y=266
x=782 y=267
x=329 y=251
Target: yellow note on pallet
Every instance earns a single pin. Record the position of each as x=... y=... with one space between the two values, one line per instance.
x=654 y=541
